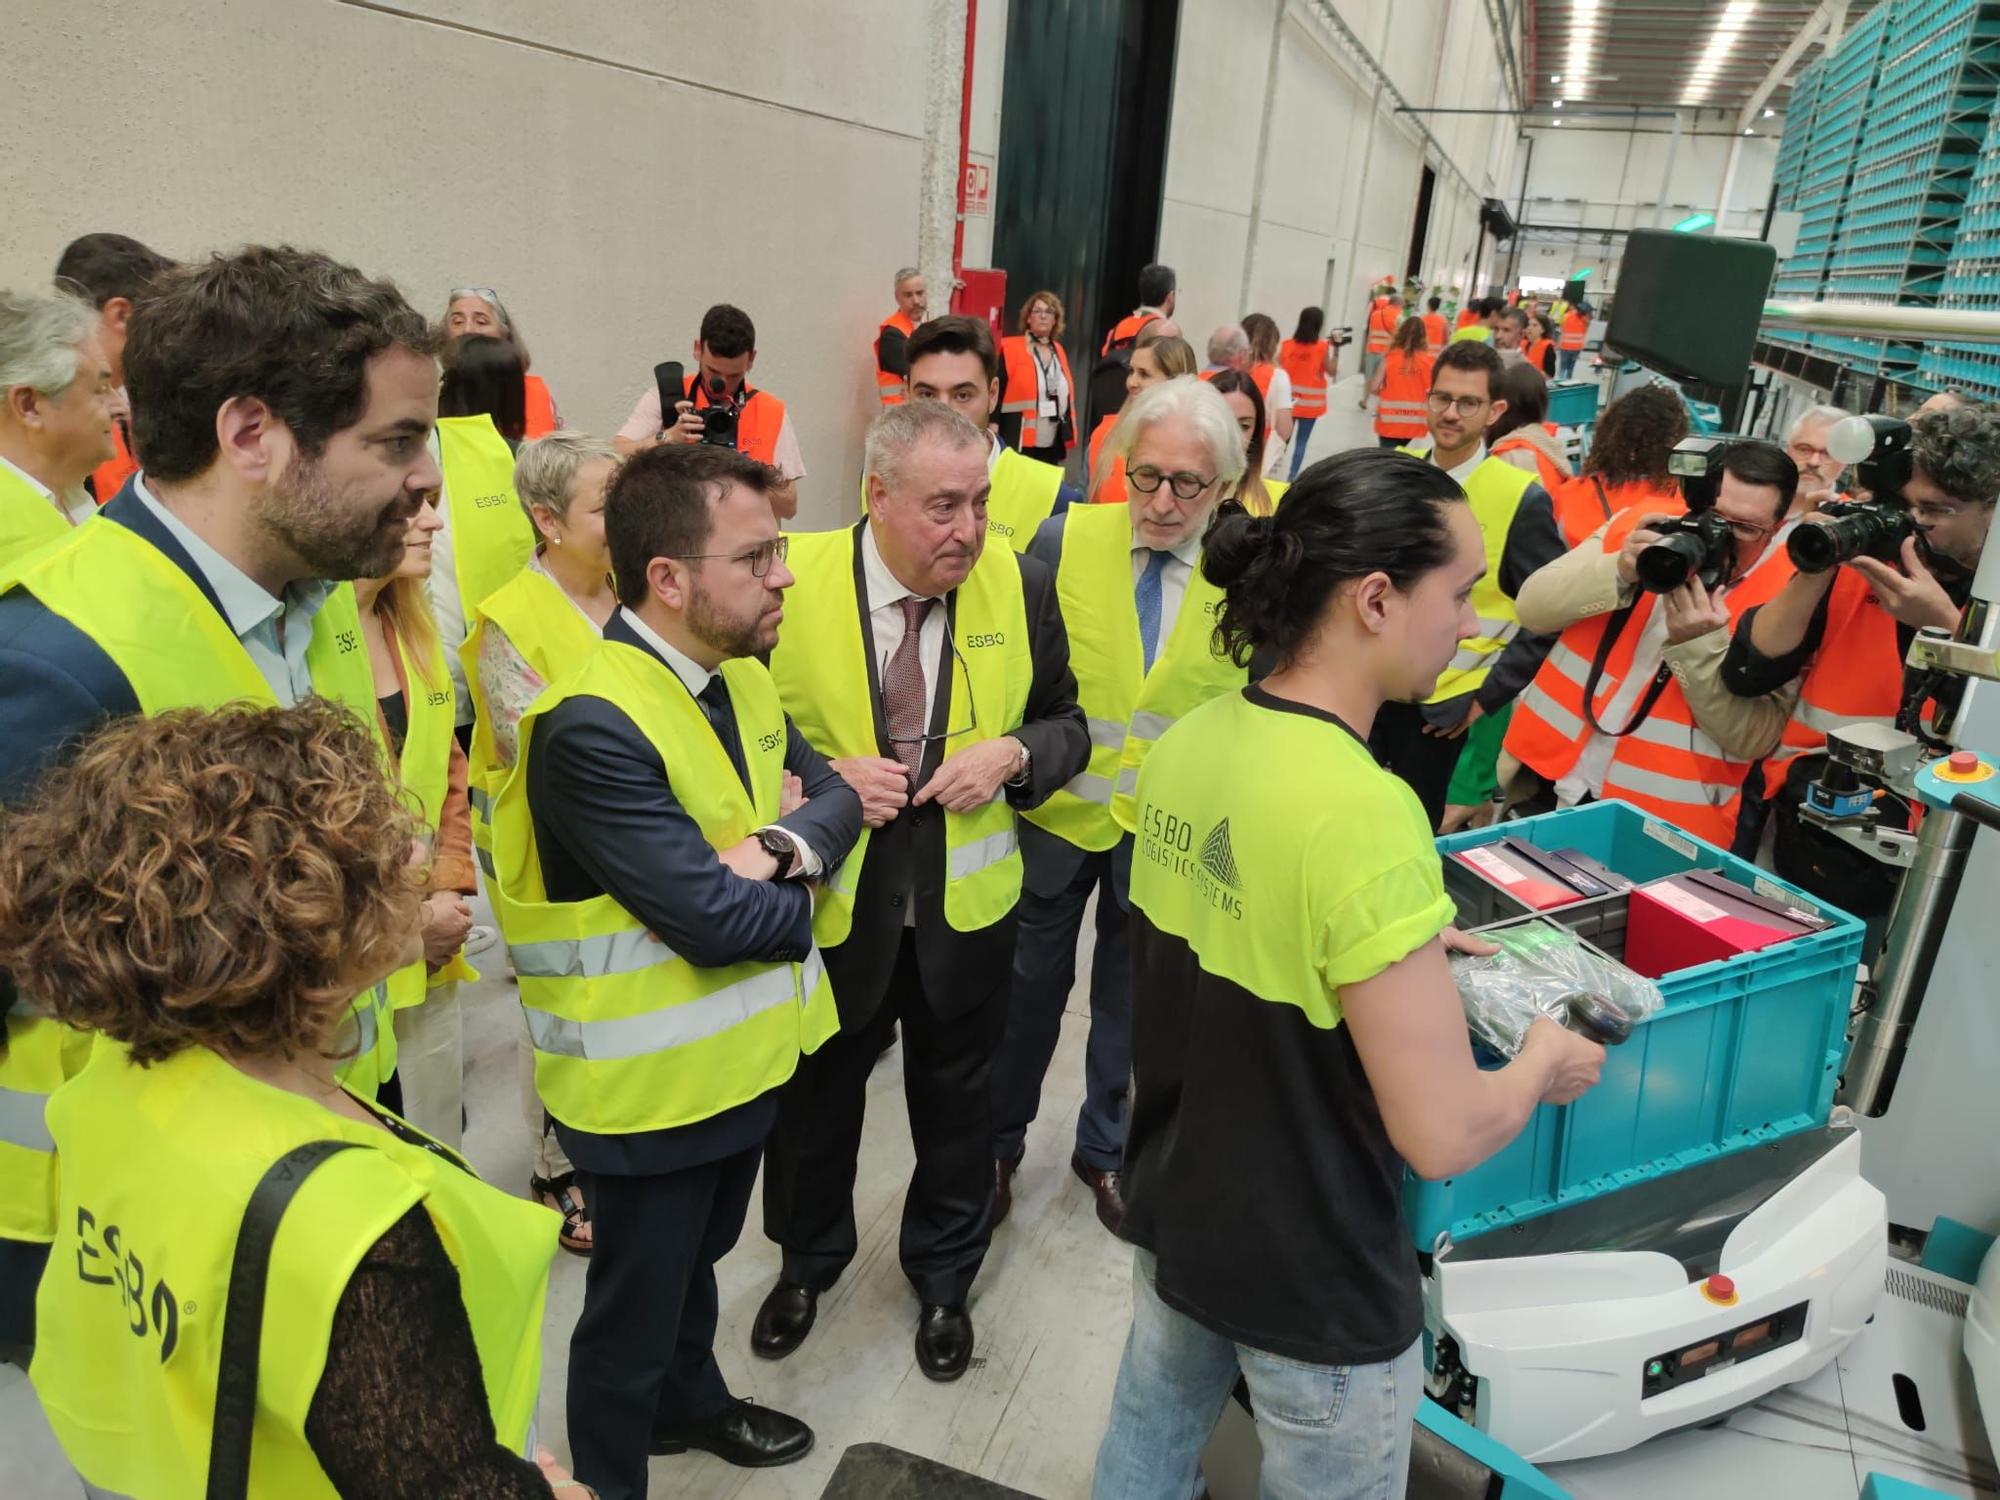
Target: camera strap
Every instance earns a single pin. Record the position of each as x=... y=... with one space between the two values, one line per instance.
x=1603 y=500
x=1614 y=628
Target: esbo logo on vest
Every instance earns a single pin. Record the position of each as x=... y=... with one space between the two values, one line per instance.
x=1168 y=840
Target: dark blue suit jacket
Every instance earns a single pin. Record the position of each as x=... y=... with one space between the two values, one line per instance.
x=607 y=822
x=56 y=684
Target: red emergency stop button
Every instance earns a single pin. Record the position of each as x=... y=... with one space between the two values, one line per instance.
x=1964 y=765
x=1719 y=1289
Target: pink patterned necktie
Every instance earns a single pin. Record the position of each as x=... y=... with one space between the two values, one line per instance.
x=903 y=688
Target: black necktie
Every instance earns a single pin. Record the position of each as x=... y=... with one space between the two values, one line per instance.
x=714 y=700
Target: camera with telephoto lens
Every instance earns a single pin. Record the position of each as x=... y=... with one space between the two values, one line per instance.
x=1875 y=527
x=1698 y=544
x=718 y=418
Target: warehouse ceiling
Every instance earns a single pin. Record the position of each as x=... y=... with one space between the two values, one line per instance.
x=1708 y=54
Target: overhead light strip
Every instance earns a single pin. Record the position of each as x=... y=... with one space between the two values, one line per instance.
x=1586 y=32
x=1721 y=41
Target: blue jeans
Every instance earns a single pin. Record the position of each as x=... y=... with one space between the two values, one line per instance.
x=1302 y=431
x=1328 y=1432
x=1566 y=363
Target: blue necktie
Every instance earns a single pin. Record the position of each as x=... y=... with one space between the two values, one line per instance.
x=1148 y=596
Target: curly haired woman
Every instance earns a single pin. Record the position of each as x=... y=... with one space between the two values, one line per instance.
x=257 y=1275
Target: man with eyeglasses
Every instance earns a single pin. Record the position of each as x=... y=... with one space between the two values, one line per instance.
x=1819 y=470
x=1139 y=617
x=654 y=850
x=1630 y=702
x=934 y=669
x=1845 y=633
x=1421 y=742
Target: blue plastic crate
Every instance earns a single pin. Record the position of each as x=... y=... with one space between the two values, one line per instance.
x=1573 y=403
x=1743 y=1052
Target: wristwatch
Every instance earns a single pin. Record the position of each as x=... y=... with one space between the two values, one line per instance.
x=780 y=848
x=1020 y=777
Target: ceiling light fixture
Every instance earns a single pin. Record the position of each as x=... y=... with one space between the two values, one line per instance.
x=1559 y=104
x=1769 y=112
x=1708 y=67
x=1585 y=33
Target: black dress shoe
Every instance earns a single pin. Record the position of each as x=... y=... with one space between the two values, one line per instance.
x=742 y=1433
x=1104 y=1188
x=784 y=1320
x=1003 y=1188
x=944 y=1341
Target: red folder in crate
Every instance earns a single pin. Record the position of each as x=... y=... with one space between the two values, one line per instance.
x=1518 y=868
x=1699 y=917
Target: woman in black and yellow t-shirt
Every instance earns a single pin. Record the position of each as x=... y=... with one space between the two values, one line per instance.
x=1297 y=1037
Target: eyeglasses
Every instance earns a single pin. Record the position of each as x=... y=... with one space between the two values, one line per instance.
x=759 y=557
x=1465 y=406
x=1186 y=486
x=971 y=705
x=486 y=292
x=1808 y=453
x=1748 y=531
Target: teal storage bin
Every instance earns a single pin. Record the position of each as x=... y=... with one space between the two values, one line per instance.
x=1573 y=403
x=1744 y=1051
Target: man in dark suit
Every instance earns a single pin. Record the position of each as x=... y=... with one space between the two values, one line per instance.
x=934 y=668
x=647 y=774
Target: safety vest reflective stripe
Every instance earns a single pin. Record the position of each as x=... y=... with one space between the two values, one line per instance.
x=1650 y=731
x=482 y=803
x=1304 y=393
x=1623 y=776
x=1494 y=489
x=671 y=1026
x=21 y=1122
x=1820 y=720
x=1306 y=365
x=1150 y=726
x=365 y=1018
x=1406 y=411
x=1106 y=734
x=1537 y=701
x=1089 y=788
x=969 y=859
x=1027 y=405
x=590 y=957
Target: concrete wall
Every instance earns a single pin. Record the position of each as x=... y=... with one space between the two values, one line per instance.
x=611 y=168
x=1334 y=206
x=1598 y=174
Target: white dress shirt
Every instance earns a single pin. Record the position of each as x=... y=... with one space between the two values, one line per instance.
x=275 y=632
x=885 y=621
x=1173 y=580
x=696 y=678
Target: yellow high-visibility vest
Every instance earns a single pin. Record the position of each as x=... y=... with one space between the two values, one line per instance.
x=552 y=635
x=491 y=536
x=822 y=671
x=158 y=628
x=628 y=1035
x=158 y=1165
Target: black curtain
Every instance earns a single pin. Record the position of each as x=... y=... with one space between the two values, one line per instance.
x=1083 y=154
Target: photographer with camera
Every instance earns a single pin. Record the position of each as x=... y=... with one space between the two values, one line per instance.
x=717 y=405
x=1629 y=703
x=1909 y=552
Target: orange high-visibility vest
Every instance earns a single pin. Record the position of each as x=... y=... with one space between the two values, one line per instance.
x=1666 y=766
x=109 y=477
x=1022 y=391
x=1406 y=381
x=1306 y=364
x=1125 y=332
x=1466 y=317
x=1381 y=326
x=1551 y=476
x=1575 y=326
x=1538 y=352
x=1435 y=333
x=542 y=418
x=1260 y=376
x=889 y=385
x=1856 y=676
x=758 y=420
x=1584 y=503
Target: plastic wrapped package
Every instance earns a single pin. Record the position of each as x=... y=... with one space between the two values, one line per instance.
x=1543 y=969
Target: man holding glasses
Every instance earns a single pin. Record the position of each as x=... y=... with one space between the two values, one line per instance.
x=1421 y=742
x=934 y=672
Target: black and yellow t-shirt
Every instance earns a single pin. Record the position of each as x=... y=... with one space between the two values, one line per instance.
x=1257 y=1167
